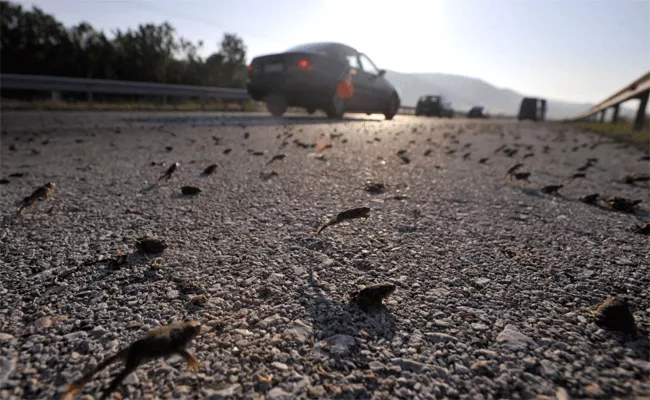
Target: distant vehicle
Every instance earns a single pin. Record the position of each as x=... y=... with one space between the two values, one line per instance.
x=431 y=105
x=307 y=76
x=477 y=112
x=532 y=108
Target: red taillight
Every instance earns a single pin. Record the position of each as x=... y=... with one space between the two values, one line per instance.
x=250 y=67
x=303 y=64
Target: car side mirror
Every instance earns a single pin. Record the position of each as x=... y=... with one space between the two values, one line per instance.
x=381 y=72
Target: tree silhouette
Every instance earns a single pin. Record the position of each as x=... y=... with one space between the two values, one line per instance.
x=33 y=42
x=233 y=53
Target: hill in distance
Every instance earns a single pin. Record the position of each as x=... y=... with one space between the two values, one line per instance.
x=465 y=92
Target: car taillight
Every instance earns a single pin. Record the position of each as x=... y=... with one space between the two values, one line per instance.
x=250 y=67
x=299 y=64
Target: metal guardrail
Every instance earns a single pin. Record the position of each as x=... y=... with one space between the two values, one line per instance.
x=407 y=110
x=57 y=84
x=639 y=89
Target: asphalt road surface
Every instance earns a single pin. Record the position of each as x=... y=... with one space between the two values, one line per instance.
x=495 y=281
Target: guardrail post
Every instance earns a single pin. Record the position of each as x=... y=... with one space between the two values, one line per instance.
x=615 y=116
x=56 y=95
x=89 y=98
x=202 y=102
x=640 y=115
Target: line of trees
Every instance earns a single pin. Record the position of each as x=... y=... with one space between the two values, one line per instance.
x=33 y=42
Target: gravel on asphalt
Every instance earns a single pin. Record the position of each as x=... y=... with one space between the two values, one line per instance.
x=496 y=282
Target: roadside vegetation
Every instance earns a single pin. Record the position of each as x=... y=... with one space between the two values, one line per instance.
x=139 y=105
x=622 y=131
x=35 y=43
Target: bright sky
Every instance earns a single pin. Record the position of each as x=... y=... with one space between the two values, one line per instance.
x=575 y=50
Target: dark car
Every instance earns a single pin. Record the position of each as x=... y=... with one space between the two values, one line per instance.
x=431 y=105
x=477 y=112
x=308 y=75
x=532 y=108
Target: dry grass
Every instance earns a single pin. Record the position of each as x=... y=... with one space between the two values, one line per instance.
x=622 y=131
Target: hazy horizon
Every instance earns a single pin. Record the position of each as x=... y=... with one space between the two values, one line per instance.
x=580 y=51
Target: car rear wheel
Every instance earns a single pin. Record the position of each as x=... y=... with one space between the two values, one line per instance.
x=277 y=105
x=392 y=107
x=336 y=107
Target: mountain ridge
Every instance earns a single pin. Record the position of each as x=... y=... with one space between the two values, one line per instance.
x=465 y=92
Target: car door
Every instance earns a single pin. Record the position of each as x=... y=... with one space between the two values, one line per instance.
x=360 y=83
x=378 y=87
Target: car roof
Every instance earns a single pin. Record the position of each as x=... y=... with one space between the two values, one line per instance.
x=328 y=48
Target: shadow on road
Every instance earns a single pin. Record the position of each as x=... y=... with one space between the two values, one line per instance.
x=149 y=188
x=250 y=120
x=639 y=213
x=330 y=317
x=641 y=346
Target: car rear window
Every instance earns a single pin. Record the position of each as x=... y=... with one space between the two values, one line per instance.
x=312 y=48
x=325 y=49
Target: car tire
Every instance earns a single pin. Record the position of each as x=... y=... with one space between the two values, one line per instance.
x=277 y=105
x=392 y=107
x=335 y=106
